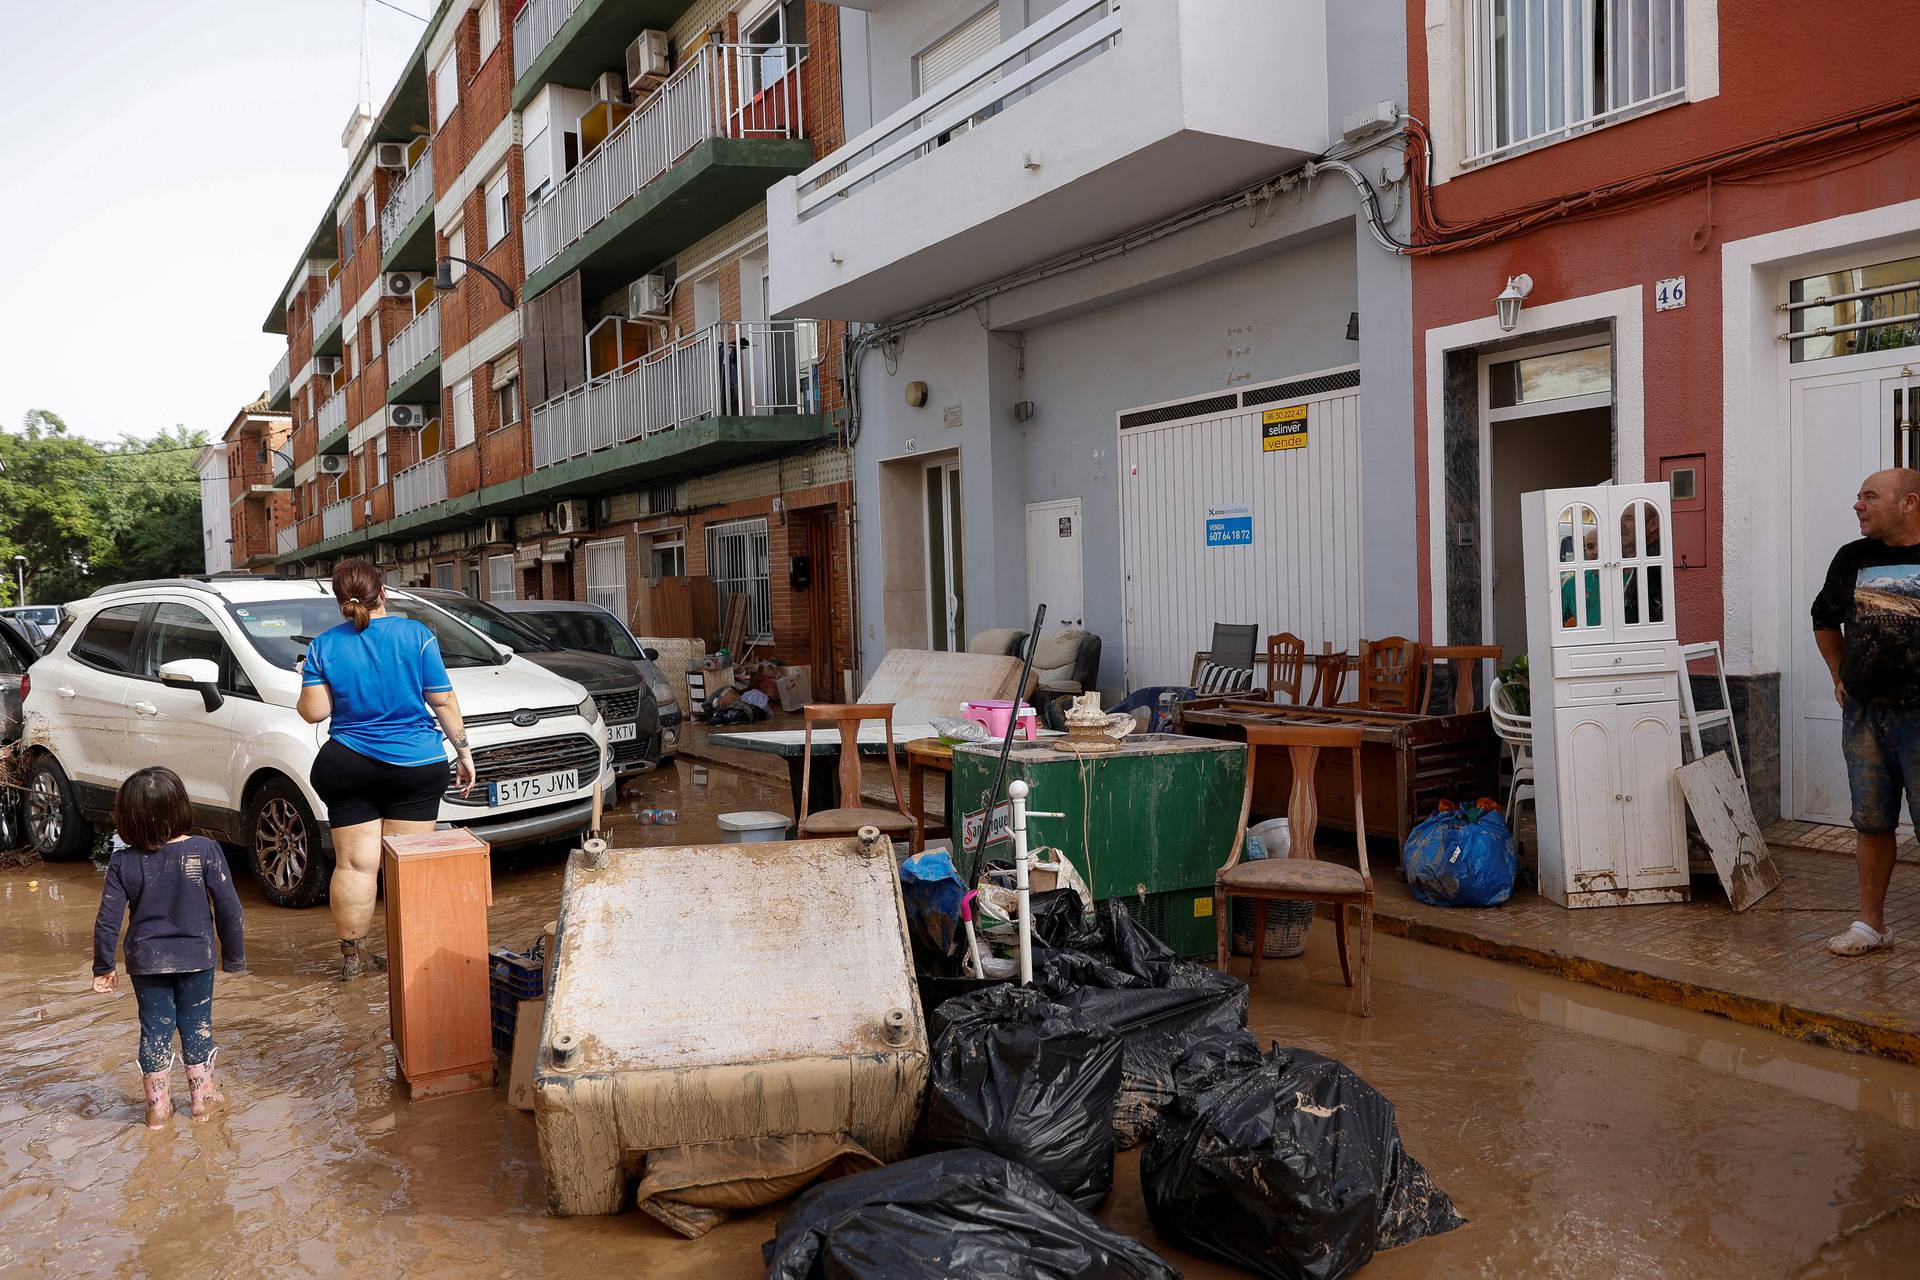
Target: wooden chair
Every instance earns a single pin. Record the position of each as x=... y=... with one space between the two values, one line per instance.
x=1300 y=875
x=851 y=814
x=1286 y=666
x=1329 y=676
x=1463 y=657
x=1392 y=675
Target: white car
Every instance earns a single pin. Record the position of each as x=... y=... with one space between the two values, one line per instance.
x=200 y=675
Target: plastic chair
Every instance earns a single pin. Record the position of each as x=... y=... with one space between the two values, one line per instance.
x=1693 y=720
x=850 y=815
x=1301 y=875
x=1515 y=732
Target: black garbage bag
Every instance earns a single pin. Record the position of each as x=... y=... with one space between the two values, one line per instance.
x=1014 y=1073
x=949 y=1214
x=1286 y=1163
x=1059 y=920
x=1158 y=1004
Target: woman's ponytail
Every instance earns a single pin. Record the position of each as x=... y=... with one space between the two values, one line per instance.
x=358 y=587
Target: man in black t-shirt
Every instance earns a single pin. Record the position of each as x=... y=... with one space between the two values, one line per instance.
x=1866 y=621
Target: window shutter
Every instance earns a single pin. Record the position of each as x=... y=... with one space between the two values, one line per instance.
x=463 y=414
x=940 y=61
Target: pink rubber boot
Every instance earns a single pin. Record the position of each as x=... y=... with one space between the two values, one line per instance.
x=159 y=1096
x=203 y=1096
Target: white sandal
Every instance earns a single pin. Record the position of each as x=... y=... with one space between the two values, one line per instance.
x=1858 y=940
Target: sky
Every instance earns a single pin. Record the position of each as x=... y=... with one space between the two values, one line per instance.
x=165 y=162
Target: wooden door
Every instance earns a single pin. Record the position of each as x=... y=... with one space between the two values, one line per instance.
x=1587 y=758
x=817 y=546
x=1651 y=825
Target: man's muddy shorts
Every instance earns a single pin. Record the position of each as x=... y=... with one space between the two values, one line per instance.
x=1882 y=746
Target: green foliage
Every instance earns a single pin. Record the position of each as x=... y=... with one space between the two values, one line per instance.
x=1514 y=675
x=85 y=515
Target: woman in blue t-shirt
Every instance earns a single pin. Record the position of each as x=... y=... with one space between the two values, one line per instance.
x=384 y=766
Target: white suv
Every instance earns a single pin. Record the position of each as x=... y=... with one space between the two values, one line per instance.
x=200 y=675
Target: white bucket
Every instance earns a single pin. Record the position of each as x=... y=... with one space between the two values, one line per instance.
x=754 y=826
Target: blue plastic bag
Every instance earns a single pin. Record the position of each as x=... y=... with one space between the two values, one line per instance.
x=933 y=891
x=1461 y=858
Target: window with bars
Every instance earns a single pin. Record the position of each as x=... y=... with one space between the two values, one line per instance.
x=1542 y=70
x=1860 y=309
x=607 y=576
x=738 y=564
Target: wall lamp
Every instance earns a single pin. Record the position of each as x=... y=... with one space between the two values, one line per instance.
x=443 y=281
x=1507 y=305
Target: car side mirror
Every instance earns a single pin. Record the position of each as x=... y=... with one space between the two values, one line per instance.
x=650 y=653
x=501 y=649
x=195 y=673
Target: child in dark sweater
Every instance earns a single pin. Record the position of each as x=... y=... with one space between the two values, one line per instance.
x=177 y=890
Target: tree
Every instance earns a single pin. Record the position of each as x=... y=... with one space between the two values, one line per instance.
x=149 y=508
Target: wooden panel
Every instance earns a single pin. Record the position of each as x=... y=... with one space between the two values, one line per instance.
x=923 y=683
x=1720 y=806
x=438 y=888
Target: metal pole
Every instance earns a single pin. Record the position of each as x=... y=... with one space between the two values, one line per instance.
x=1006 y=746
x=20 y=567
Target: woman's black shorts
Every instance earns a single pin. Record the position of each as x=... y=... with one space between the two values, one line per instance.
x=357 y=788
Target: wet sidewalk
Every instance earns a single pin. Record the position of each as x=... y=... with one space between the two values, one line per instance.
x=1767 y=967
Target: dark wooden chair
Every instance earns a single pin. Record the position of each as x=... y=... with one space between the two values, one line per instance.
x=1300 y=875
x=1286 y=666
x=1392 y=675
x=851 y=814
x=1329 y=676
x=1463 y=657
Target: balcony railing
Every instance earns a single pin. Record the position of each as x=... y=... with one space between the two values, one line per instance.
x=1072 y=34
x=279 y=375
x=726 y=90
x=327 y=310
x=420 y=485
x=413 y=344
x=725 y=370
x=414 y=191
x=286 y=540
x=534 y=28
x=336 y=519
x=332 y=415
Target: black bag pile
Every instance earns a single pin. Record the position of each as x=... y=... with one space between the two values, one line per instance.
x=1158 y=1004
x=1286 y=1163
x=1018 y=1075
x=952 y=1213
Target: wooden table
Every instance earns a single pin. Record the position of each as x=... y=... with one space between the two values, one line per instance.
x=791 y=746
x=924 y=756
x=1409 y=763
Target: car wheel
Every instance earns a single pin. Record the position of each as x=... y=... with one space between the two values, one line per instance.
x=283 y=843
x=55 y=826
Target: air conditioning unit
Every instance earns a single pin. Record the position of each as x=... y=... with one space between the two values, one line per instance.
x=572 y=516
x=333 y=464
x=326 y=366
x=401 y=284
x=390 y=155
x=407 y=417
x=647 y=296
x=499 y=529
x=647 y=61
x=609 y=87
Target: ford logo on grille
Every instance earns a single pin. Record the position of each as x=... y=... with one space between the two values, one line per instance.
x=525 y=718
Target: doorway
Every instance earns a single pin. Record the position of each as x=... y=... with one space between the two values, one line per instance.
x=946 y=592
x=1547 y=424
x=1054 y=565
x=812 y=580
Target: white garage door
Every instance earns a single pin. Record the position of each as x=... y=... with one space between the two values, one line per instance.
x=1241 y=507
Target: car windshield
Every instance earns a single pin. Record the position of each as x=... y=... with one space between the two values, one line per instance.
x=495 y=624
x=589 y=629
x=282 y=629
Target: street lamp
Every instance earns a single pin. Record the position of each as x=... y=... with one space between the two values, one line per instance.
x=443 y=281
x=20 y=568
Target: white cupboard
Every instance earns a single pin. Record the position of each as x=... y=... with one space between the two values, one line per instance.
x=1605 y=692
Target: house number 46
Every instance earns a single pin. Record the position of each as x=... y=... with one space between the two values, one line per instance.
x=1670 y=295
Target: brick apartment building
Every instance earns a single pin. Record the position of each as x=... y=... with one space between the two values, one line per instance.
x=628 y=411
x=1725 y=278
x=246 y=519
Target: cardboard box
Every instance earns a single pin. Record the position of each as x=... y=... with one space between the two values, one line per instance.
x=796 y=688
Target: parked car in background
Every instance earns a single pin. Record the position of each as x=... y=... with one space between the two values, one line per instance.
x=17 y=652
x=590 y=627
x=42 y=619
x=201 y=674
x=626 y=702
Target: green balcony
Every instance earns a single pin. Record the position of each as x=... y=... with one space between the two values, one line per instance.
x=551 y=46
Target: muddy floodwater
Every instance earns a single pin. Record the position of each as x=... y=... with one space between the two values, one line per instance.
x=1582 y=1132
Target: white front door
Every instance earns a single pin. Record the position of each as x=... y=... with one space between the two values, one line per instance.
x=946 y=596
x=1053 y=562
x=1842 y=431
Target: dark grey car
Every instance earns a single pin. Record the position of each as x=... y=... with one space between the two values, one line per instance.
x=625 y=701
x=588 y=626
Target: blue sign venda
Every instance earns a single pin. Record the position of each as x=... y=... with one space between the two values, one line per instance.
x=1229 y=526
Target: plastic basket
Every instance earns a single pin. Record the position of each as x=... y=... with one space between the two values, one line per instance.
x=1287 y=925
x=513 y=977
